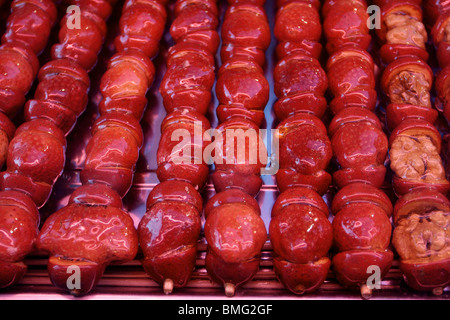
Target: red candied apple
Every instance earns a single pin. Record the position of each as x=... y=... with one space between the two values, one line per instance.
x=305 y=152
x=19 y=224
x=112 y=152
x=180 y=151
x=245 y=33
x=345 y=23
x=351 y=76
x=240 y=156
x=169 y=231
x=30 y=24
x=360 y=147
x=235 y=234
x=141 y=26
x=362 y=233
x=301 y=236
x=78 y=238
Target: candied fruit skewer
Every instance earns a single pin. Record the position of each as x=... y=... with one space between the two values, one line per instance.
x=94 y=230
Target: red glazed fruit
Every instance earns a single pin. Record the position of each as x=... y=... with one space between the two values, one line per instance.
x=351 y=79
x=169 y=231
x=361 y=233
x=298 y=30
x=360 y=147
x=81 y=44
x=36 y=143
x=52 y=99
x=141 y=26
x=245 y=33
x=239 y=163
x=193 y=18
x=300 y=84
x=235 y=234
x=433 y=9
x=188 y=81
x=181 y=148
x=242 y=89
x=345 y=23
x=18 y=69
x=422 y=219
x=301 y=236
x=7 y=130
x=112 y=152
x=297 y=20
x=440 y=34
x=442 y=86
x=19 y=224
x=30 y=24
x=305 y=152
x=78 y=239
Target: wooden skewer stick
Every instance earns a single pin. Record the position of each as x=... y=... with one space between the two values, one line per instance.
x=299 y=289
x=438 y=291
x=168 y=286
x=366 y=292
x=230 y=289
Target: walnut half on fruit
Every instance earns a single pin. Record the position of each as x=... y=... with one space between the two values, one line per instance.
x=423 y=236
x=411 y=88
x=404 y=29
x=422 y=239
x=416 y=158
